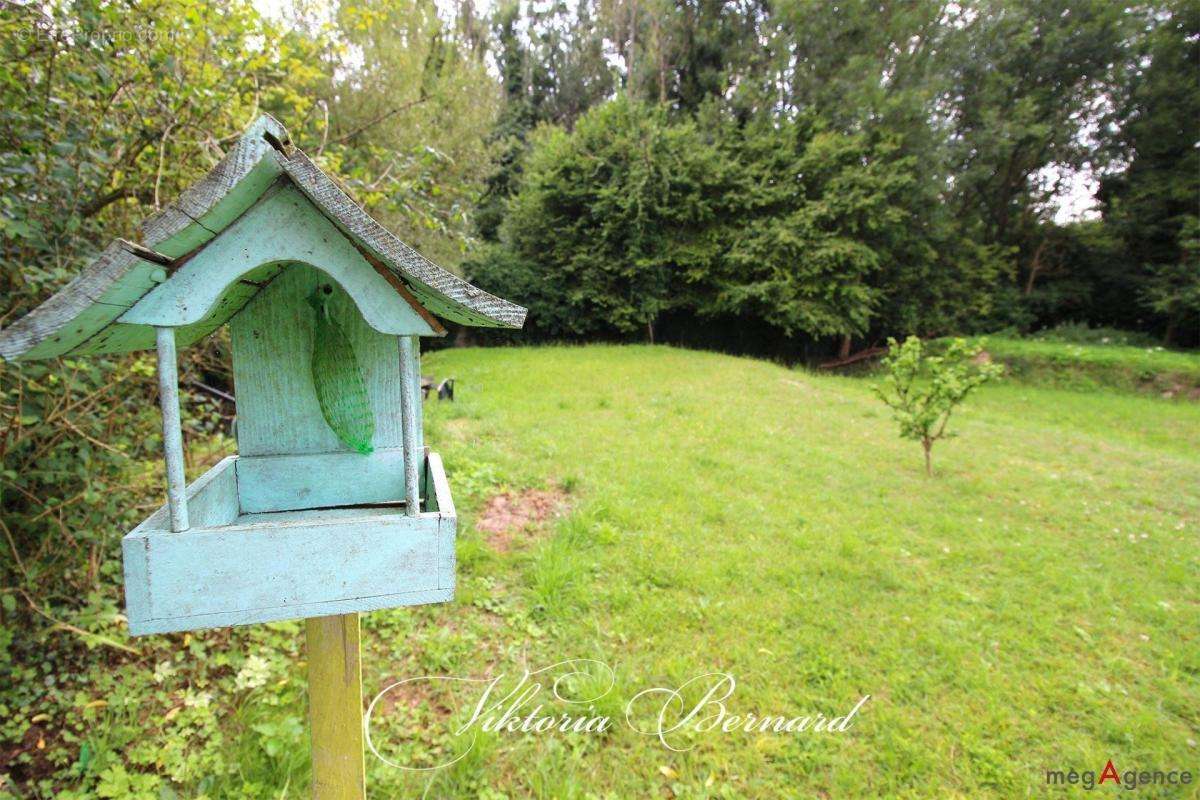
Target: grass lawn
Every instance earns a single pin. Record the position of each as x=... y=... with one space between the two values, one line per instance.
x=1097 y=365
x=1033 y=606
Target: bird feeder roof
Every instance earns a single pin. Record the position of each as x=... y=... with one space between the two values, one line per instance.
x=85 y=317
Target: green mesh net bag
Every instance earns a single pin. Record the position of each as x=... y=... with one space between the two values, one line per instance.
x=341 y=390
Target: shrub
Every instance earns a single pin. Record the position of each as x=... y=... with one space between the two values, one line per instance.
x=923 y=390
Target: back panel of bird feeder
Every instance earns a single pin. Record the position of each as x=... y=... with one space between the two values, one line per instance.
x=290 y=457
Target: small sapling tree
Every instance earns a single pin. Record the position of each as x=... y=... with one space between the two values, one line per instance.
x=923 y=390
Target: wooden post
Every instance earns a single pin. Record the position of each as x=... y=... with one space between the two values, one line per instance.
x=168 y=398
x=335 y=708
x=410 y=389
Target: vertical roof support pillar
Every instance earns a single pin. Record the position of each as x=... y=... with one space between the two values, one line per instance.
x=410 y=404
x=168 y=398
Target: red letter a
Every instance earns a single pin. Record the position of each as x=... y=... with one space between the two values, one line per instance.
x=1110 y=772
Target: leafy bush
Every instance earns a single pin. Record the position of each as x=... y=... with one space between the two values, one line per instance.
x=923 y=390
x=609 y=223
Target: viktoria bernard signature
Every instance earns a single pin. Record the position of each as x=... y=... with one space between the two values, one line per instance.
x=549 y=701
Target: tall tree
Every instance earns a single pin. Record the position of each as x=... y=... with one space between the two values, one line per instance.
x=1028 y=79
x=1154 y=204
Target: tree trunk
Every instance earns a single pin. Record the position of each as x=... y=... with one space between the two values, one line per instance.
x=650 y=330
x=1035 y=267
x=928 y=445
x=844 y=349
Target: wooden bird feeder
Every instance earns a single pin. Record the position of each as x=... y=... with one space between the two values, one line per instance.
x=332 y=505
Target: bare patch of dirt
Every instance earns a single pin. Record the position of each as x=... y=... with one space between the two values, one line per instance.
x=411 y=696
x=507 y=516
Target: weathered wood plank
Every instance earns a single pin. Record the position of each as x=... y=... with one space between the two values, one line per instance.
x=255 y=241
x=82 y=318
x=168 y=398
x=335 y=707
x=82 y=308
x=410 y=419
x=143 y=627
x=440 y=291
x=280 y=483
x=443 y=505
x=277 y=404
x=212 y=500
x=242 y=569
x=209 y=205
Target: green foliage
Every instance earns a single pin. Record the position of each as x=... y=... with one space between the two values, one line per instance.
x=808 y=249
x=109 y=110
x=811 y=231
x=908 y=164
x=1151 y=205
x=1079 y=358
x=402 y=116
x=610 y=222
x=1082 y=333
x=922 y=390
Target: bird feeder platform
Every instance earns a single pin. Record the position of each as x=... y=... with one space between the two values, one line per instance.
x=237 y=565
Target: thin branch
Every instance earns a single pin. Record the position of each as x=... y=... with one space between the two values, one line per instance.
x=93 y=439
x=58 y=623
x=13 y=545
x=324 y=133
x=213 y=390
x=162 y=152
x=98 y=204
x=379 y=119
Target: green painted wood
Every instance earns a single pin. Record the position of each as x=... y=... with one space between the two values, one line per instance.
x=256 y=571
x=234 y=568
x=278 y=412
x=93 y=300
x=168 y=398
x=317 y=480
x=212 y=203
x=335 y=708
x=441 y=503
x=212 y=500
x=440 y=291
x=89 y=315
x=337 y=377
x=283 y=227
x=410 y=400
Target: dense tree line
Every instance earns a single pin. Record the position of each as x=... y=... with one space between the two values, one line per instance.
x=814 y=173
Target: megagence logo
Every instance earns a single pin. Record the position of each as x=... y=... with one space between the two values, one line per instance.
x=1129 y=779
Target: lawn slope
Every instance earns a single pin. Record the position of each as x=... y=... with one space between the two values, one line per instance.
x=1032 y=606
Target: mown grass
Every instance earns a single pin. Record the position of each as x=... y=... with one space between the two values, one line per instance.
x=1033 y=606
x=1099 y=365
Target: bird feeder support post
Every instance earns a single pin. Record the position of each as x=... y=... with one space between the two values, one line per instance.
x=168 y=397
x=335 y=707
x=410 y=419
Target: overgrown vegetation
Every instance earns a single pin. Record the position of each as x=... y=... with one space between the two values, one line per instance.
x=109 y=110
x=1099 y=364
